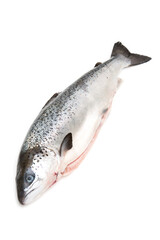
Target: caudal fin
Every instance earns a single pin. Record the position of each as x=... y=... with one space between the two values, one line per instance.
x=119 y=49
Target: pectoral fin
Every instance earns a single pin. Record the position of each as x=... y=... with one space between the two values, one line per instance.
x=66 y=144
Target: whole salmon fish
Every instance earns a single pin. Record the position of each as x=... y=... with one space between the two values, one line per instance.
x=67 y=125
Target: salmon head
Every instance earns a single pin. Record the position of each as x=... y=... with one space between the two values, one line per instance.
x=36 y=171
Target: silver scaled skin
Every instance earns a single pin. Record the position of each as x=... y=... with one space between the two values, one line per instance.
x=65 y=128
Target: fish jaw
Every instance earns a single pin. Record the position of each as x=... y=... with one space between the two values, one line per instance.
x=44 y=168
x=29 y=195
x=39 y=188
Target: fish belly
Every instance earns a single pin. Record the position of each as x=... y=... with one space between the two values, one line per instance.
x=83 y=141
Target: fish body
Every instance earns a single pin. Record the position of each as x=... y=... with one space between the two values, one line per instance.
x=67 y=125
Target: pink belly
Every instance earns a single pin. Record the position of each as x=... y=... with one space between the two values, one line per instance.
x=73 y=165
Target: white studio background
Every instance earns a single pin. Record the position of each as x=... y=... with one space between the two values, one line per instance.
x=44 y=47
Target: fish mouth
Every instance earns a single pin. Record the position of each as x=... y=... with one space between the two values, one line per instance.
x=22 y=196
x=30 y=192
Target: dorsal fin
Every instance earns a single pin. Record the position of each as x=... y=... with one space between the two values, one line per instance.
x=54 y=96
x=118 y=48
x=97 y=64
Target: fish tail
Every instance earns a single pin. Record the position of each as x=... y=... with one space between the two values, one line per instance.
x=135 y=59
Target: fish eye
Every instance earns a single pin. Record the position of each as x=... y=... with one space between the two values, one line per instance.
x=29 y=178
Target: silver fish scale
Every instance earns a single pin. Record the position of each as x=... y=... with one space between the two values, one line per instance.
x=54 y=121
x=56 y=118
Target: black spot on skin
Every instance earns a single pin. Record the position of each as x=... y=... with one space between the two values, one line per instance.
x=26 y=158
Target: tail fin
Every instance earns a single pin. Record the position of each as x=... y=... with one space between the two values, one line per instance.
x=119 y=49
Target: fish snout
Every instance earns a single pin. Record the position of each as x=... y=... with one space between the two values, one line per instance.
x=21 y=196
x=20 y=190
